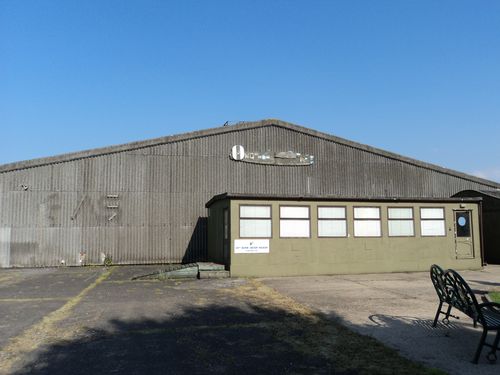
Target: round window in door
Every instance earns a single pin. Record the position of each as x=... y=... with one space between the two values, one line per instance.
x=462 y=221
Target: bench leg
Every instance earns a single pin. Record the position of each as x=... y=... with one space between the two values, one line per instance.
x=492 y=356
x=448 y=313
x=497 y=341
x=437 y=313
x=480 y=346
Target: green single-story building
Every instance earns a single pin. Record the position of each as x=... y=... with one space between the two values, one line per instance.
x=265 y=235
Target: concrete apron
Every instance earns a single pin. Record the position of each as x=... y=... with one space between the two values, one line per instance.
x=398 y=309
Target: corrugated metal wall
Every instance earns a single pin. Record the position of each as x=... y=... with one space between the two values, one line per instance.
x=147 y=205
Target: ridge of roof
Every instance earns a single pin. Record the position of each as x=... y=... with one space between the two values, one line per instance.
x=228 y=129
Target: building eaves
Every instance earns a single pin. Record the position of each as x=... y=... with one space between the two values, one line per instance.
x=470 y=193
x=491 y=193
x=232 y=128
x=245 y=196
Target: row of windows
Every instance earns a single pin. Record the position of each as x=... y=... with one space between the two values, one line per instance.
x=255 y=221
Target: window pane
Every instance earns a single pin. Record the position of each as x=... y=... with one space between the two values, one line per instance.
x=367 y=228
x=432 y=213
x=432 y=228
x=255 y=228
x=400 y=213
x=332 y=228
x=331 y=212
x=294 y=212
x=255 y=211
x=366 y=213
x=401 y=228
x=294 y=228
x=462 y=223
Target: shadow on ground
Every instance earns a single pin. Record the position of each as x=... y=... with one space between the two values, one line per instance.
x=488 y=283
x=215 y=340
x=454 y=343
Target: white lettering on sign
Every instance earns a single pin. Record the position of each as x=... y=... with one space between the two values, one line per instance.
x=269 y=157
x=251 y=246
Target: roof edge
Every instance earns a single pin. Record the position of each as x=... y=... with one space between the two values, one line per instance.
x=489 y=193
x=113 y=149
x=247 y=196
x=227 y=129
x=389 y=154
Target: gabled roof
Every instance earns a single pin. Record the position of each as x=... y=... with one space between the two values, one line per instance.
x=232 y=128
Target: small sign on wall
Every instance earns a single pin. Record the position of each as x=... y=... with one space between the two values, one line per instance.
x=251 y=246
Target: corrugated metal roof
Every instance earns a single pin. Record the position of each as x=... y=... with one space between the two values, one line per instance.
x=234 y=128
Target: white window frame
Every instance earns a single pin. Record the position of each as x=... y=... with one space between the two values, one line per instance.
x=332 y=220
x=395 y=220
x=441 y=220
x=256 y=218
x=295 y=219
x=358 y=220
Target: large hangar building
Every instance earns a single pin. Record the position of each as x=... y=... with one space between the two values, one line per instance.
x=148 y=202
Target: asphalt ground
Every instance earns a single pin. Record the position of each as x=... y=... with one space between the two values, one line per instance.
x=398 y=310
x=100 y=321
x=97 y=320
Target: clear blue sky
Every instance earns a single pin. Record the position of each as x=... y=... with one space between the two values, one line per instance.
x=419 y=78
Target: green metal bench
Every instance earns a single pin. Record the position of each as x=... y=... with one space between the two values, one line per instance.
x=454 y=291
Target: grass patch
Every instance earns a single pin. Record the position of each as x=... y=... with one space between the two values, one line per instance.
x=355 y=353
x=495 y=296
x=313 y=335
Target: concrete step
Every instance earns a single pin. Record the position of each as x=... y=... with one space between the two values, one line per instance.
x=209 y=266
x=188 y=272
x=202 y=270
x=219 y=274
